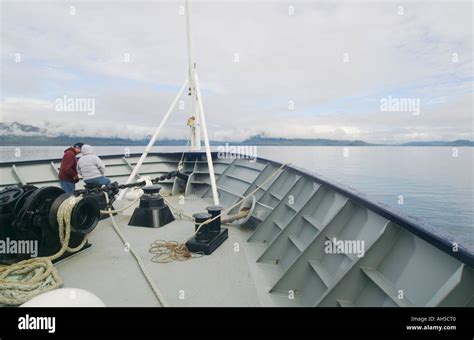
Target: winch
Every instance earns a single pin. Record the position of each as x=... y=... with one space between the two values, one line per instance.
x=29 y=213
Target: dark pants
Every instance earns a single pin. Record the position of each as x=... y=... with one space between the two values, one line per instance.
x=68 y=186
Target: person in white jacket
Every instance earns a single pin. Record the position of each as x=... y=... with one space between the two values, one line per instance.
x=91 y=167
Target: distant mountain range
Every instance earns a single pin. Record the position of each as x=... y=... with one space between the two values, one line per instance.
x=17 y=134
x=459 y=142
x=261 y=140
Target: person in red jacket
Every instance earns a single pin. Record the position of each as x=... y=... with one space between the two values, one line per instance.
x=68 y=176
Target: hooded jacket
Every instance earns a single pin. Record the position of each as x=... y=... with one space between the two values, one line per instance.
x=89 y=165
x=67 y=170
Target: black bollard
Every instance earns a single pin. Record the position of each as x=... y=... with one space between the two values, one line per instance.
x=211 y=235
x=204 y=234
x=215 y=210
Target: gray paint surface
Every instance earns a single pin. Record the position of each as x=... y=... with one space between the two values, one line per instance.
x=281 y=258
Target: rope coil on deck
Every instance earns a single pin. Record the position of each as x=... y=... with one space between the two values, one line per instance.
x=20 y=282
x=24 y=280
x=169 y=251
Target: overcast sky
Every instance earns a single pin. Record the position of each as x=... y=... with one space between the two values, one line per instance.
x=317 y=70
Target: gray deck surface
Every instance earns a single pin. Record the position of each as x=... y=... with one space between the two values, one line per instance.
x=282 y=258
x=109 y=271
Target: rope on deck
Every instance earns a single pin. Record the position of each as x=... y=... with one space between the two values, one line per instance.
x=24 y=280
x=168 y=251
x=141 y=265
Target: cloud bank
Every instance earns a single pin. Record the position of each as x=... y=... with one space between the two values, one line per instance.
x=316 y=70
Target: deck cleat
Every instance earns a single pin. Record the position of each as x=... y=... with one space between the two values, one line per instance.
x=210 y=236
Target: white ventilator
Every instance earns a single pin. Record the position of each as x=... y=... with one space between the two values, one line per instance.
x=196 y=121
x=65 y=297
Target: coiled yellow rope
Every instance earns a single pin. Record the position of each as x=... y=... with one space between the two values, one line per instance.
x=24 y=280
x=169 y=251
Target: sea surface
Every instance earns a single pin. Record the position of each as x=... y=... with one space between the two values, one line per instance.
x=435 y=184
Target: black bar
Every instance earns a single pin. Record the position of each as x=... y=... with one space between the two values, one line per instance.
x=242 y=322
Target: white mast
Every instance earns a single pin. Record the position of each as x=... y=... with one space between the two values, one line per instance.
x=196 y=107
x=196 y=130
x=215 y=196
x=196 y=98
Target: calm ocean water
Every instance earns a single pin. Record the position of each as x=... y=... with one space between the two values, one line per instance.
x=435 y=185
